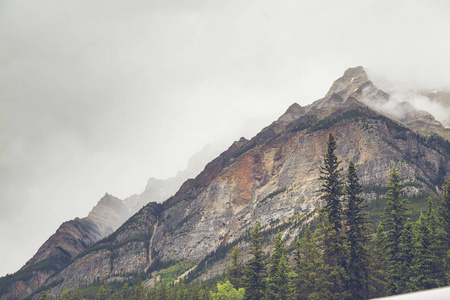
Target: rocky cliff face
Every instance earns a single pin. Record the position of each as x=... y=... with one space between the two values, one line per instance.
x=271 y=178
x=68 y=241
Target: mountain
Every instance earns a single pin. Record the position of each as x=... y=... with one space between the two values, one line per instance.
x=272 y=178
x=75 y=236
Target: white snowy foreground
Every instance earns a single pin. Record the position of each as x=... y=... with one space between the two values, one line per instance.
x=434 y=294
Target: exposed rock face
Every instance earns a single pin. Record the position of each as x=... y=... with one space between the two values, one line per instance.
x=125 y=251
x=75 y=236
x=109 y=213
x=69 y=240
x=274 y=176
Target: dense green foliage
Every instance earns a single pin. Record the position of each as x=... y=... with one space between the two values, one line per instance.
x=394 y=224
x=226 y=291
x=255 y=271
x=235 y=270
x=357 y=236
x=277 y=287
x=310 y=280
x=332 y=186
x=332 y=239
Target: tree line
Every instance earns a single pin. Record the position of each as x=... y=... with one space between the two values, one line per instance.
x=342 y=259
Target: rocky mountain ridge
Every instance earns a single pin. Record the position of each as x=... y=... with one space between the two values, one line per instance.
x=271 y=178
x=75 y=236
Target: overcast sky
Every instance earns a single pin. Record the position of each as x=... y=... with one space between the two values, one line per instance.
x=97 y=96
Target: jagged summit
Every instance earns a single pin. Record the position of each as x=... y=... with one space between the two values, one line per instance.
x=354 y=83
x=352 y=78
x=293 y=112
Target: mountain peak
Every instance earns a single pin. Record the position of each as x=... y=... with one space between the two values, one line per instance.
x=293 y=112
x=355 y=73
x=349 y=82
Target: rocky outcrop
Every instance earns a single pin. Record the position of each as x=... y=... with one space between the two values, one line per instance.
x=125 y=251
x=70 y=239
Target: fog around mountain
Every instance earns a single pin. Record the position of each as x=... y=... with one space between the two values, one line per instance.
x=98 y=96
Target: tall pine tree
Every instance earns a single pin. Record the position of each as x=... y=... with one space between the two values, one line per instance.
x=255 y=268
x=406 y=260
x=333 y=240
x=428 y=268
x=394 y=224
x=234 y=269
x=310 y=280
x=357 y=237
x=332 y=185
x=278 y=270
x=377 y=265
x=444 y=210
x=282 y=278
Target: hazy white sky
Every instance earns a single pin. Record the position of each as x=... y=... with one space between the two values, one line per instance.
x=98 y=95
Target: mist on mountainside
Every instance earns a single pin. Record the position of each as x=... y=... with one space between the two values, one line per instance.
x=432 y=95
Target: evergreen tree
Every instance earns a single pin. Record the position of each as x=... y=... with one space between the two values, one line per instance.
x=377 y=266
x=200 y=293
x=297 y=282
x=277 y=253
x=310 y=280
x=334 y=267
x=282 y=278
x=428 y=268
x=138 y=291
x=44 y=296
x=182 y=293
x=162 y=293
x=445 y=224
x=234 y=269
x=124 y=292
x=116 y=295
x=394 y=223
x=255 y=268
x=104 y=292
x=357 y=237
x=64 y=295
x=333 y=240
x=76 y=295
x=445 y=213
x=332 y=185
x=405 y=264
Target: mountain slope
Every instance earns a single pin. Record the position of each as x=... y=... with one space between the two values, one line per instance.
x=272 y=178
x=75 y=236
